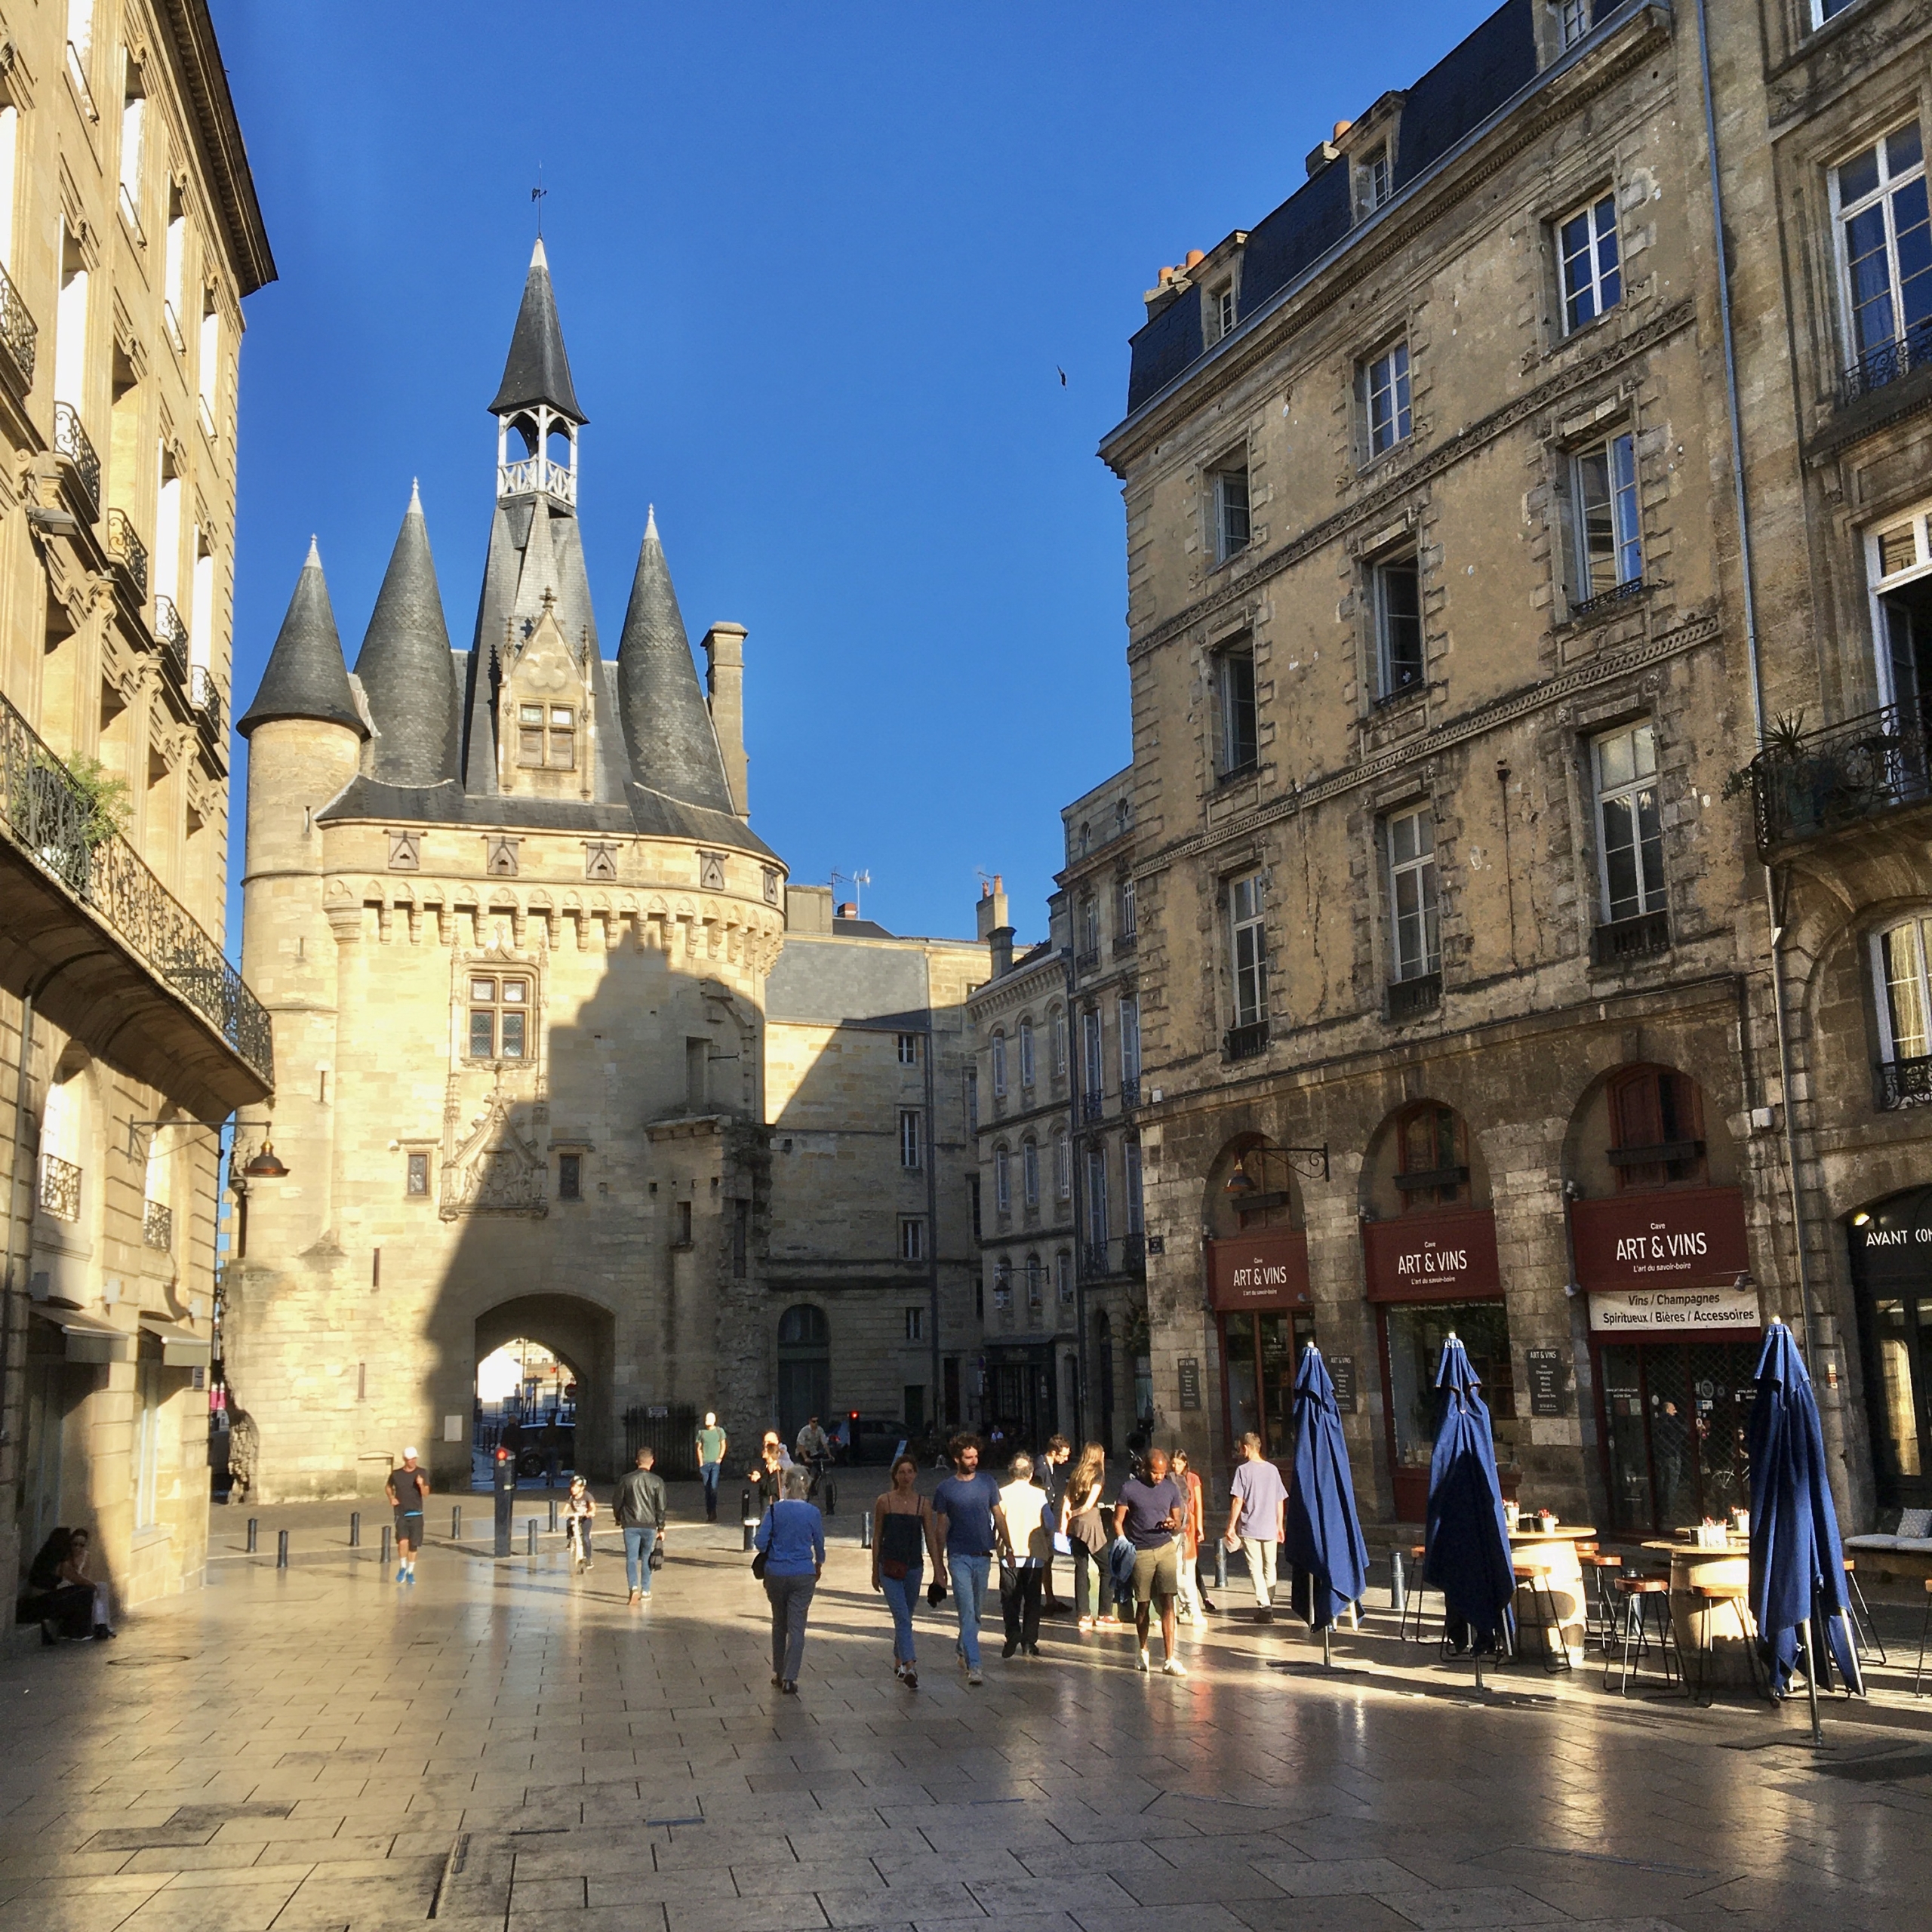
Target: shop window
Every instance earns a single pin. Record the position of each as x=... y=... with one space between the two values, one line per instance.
x=1657 y=1129
x=499 y=1018
x=1259 y=1354
x=1432 y=1155
x=1414 y=1334
x=1677 y=1417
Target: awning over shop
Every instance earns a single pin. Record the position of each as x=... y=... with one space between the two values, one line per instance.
x=89 y=1338
x=180 y=1346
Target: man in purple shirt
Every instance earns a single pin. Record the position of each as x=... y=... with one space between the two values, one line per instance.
x=1256 y=1516
x=1150 y=1514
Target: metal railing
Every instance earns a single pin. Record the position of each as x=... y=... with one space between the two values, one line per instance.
x=1608 y=600
x=1887 y=364
x=60 y=1187
x=20 y=334
x=532 y=473
x=1247 y=1042
x=59 y=826
x=171 y=634
x=1087 y=959
x=1128 y=943
x=157 y=1226
x=1130 y=1092
x=74 y=446
x=1804 y=784
x=1093 y=1103
x=129 y=551
x=1123 y=1254
x=171 y=323
x=1902 y=1083
x=131 y=215
x=1410 y=998
x=205 y=695
x=1622 y=942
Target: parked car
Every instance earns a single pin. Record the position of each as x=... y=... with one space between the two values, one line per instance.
x=864 y=1438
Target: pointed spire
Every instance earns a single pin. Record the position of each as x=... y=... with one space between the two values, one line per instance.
x=538 y=370
x=408 y=675
x=667 y=724
x=306 y=676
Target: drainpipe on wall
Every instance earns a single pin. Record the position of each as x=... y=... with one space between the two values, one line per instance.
x=1774 y=911
x=9 y=1283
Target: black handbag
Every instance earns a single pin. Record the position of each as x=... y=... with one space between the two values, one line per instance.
x=657 y=1559
x=761 y=1558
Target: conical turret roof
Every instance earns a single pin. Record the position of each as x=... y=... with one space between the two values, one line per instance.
x=306 y=677
x=667 y=724
x=407 y=676
x=537 y=369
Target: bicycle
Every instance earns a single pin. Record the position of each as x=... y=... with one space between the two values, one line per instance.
x=822 y=1484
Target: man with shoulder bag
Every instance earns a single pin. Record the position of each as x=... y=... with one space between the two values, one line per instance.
x=640 y=1506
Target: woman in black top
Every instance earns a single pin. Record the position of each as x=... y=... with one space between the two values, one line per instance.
x=902 y=1529
x=60 y=1593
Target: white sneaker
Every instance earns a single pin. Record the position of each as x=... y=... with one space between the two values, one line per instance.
x=1140 y=1662
x=1173 y=1667
x=973 y=1677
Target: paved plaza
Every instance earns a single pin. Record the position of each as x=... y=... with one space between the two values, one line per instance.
x=505 y=1746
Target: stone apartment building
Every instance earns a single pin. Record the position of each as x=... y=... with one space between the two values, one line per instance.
x=1454 y=958
x=129 y=237
x=519 y=941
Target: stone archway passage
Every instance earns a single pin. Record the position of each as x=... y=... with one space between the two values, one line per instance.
x=580 y=1334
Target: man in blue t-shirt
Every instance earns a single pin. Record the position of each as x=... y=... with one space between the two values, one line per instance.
x=968 y=1526
x=1150 y=1514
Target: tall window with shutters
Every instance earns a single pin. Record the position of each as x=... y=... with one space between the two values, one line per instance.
x=1657 y=1120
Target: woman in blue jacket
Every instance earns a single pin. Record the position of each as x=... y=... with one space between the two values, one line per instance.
x=791 y=1539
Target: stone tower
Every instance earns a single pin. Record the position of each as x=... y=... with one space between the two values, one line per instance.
x=514 y=928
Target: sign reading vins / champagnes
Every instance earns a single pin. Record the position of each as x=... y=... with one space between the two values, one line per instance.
x=1617 y=1310
x=1545 y=1374
x=1190 y=1381
x=1342 y=1373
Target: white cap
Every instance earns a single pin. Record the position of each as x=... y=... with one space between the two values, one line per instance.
x=409 y=1455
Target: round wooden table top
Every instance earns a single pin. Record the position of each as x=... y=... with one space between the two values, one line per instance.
x=1563 y=1533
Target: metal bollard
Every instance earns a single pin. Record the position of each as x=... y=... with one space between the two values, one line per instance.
x=745 y=1511
x=387 y=1533
x=355 y=1529
x=1220 y=1564
x=553 y=1515
x=254 y=1524
x=866 y=1530
x=281 y=1549
x=530 y=1537
x=455 y=1523
x=1398 y=1594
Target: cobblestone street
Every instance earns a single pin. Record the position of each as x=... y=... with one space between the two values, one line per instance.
x=504 y=1745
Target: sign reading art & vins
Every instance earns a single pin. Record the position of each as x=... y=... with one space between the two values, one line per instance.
x=1434 y=1254
x=1691 y=1237
x=1265 y=1268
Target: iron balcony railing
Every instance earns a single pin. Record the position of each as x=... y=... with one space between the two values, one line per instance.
x=129 y=553
x=1087 y=959
x=1130 y=1092
x=75 y=447
x=1607 y=600
x=1127 y=944
x=171 y=634
x=1624 y=942
x=1410 y=998
x=1902 y=1083
x=1247 y=1042
x=60 y=827
x=1806 y=783
x=157 y=1226
x=1125 y=1254
x=60 y=1187
x=1093 y=1103
x=205 y=694
x=20 y=334
x=1887 y=363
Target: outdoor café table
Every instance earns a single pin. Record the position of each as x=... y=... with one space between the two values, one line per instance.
x=1730 y=1661
x=1557 y=1549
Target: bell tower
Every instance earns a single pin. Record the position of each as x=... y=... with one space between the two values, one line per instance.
x=536 y=412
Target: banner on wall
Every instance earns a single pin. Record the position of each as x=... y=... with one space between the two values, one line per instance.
x=1691 y=1237
x=1266 y=1269
x=1623 y=1311
x=1432 y=1254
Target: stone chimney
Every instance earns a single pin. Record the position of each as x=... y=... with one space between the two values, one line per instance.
x=725 y=683
x=993 y=926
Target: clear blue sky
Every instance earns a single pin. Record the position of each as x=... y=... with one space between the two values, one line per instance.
x=818 y=269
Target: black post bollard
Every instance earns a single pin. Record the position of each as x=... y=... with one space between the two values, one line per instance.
x=866 y=1530
x=281 y=1549
x=1220 y=1564
x=745 y=1511
x=1399 y=1594
x=530 y=1537
x=355 y=1529
x=254 y=1525
x=505 y=1497
x=387 y=1533
x=553 y=1515
x=455 y=1523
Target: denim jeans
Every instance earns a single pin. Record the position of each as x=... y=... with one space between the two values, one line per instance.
x=969 y=1593
x=640 y=1539
x=902 y=1594
x=790 y=1598
x=709 y=1471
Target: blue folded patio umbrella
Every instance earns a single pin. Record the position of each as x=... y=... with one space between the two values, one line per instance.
x=1327 y=1558
x=1797 y=1560
x=1466 y=1545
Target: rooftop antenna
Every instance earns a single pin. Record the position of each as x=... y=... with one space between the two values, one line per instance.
x=855 y=881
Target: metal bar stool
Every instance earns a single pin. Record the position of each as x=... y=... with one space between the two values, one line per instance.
x=1708 y=1598
x=1925 y=1631
x=1602 y=1572
x=1858 y=1613
x=1644 y=1600
x=1535 y=1576
x=1416 y=1552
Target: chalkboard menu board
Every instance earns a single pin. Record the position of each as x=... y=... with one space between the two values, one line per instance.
x=1342 y=1373
x=1545 y=1372
x=1190 y=1382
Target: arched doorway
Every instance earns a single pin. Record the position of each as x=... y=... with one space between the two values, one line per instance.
x=1891 y=1273
x=804 y=1368
x=574 y=1346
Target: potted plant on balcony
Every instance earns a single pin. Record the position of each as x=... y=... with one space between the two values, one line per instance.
x=69 y=810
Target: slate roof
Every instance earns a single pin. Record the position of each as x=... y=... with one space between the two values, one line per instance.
x=407 y=676
x=537 y=369
x=306 y=676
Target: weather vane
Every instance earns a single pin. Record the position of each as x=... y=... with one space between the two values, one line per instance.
x=537 y=195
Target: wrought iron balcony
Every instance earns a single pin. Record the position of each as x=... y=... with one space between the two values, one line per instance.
x=20 y=334
x=1410 y=998
x=1607 y=601
x=1087 y=960
x=530 y=475
x=129 y=553
x=59 y=826
x=1248 y=1042
x=60 y=1187
x=158 y=1226
x=171 y=634
x=205 y=694
x=1093 y=1103
x=1126 y=945
x=1902 y=1083
x=1125 y=1254
x=1887 y=364
x=75 y=447
x=1130 y=1092
x=1624 y=942
x=1804 y=784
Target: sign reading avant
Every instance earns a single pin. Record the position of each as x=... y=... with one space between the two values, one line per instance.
x=1265 y=1268
x=1614 y=1311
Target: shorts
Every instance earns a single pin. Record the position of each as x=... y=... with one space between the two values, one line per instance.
x=409 y=1527
x=1157 y=1572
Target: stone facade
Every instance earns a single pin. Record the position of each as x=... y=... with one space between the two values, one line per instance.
x=129 y=235
x=1454 y=956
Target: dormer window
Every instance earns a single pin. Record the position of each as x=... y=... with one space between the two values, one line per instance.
x=1574 y=20
x=1221 y=312
x=546 y=737
x=1372 y=178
